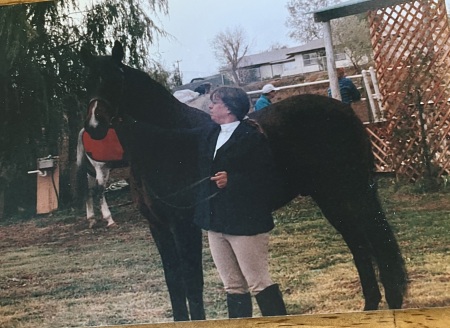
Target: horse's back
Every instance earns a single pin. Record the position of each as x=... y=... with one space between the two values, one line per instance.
x=317 y=140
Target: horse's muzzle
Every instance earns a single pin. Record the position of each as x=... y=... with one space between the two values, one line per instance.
x=98 y=119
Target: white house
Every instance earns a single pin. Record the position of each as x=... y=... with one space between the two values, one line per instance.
x=306 y=58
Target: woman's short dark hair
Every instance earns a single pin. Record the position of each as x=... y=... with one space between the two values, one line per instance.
x=234 y=98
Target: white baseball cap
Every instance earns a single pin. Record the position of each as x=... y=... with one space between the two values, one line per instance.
x=268 y=88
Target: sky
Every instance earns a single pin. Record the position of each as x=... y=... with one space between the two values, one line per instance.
x=195 y=23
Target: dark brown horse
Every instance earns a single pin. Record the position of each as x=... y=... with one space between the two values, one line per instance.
x=321 y=149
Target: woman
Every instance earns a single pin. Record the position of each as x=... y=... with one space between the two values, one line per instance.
x=238 y=218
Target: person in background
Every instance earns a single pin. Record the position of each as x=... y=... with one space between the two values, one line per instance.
x=204 y=88
x=238 y=219
x=202 y=102
x=349 y=92
x=268 y=92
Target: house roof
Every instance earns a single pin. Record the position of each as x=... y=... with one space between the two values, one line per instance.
x=264 y=58
x=312 y=45
x=280 y=55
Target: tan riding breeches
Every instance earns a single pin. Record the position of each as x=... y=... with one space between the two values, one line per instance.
x=242 y=261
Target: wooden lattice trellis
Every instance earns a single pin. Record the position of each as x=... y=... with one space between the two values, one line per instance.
x=412 y=60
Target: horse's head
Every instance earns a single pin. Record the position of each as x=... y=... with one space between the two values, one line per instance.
x=105 y=87
x=118 y=91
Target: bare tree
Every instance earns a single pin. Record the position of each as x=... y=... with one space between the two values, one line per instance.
x=276 y=46
x=301 y=20
x=230 y=46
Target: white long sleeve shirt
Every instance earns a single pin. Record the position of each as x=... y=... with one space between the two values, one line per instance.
x=226 y=130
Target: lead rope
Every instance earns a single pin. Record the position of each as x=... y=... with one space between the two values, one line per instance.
x=165 y=202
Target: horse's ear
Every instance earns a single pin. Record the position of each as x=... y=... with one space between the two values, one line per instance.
x=86 y=56
x=117 y=52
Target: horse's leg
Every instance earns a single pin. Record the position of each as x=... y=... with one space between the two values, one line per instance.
x=386 y=250
x=163 y=230
x=173 y=274
x=90 y=215
x=102 y=176
x=106 y=213
x=188 y=238
x=343 y=214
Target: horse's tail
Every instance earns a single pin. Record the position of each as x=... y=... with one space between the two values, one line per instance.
x=386 y=252
x=385 y=247
x=82 y=171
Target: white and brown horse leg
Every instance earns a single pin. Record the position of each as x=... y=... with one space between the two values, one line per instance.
x=97 y=176
x=90 y=215
x=102 y=177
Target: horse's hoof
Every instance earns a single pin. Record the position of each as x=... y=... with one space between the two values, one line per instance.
x=112 y=225
x=91 y=223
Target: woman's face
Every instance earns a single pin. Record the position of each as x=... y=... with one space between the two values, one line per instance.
x=220 y=113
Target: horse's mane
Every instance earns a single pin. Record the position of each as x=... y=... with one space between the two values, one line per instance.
x=153 y=103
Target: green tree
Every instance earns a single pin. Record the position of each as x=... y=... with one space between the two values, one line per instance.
x=357 y=46
x=177 y=77
x=42 y=100
x=158 y=73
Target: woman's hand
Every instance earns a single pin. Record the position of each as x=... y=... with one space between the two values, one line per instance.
x=221 y=179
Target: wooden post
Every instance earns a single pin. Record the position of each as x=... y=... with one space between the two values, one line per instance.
x=331 y=63
x=47 y=187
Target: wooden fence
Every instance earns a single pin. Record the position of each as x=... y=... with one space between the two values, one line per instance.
x=412 y=318
x=412 y=63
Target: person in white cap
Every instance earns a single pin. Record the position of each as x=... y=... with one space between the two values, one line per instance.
x=268 y=92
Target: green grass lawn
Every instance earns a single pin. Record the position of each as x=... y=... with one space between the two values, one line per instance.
x=56 y=272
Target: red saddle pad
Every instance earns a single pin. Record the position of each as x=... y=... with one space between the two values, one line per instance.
x=104 y=150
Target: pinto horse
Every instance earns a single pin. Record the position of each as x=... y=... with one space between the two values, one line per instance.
x=93 y=175
x=320 y=146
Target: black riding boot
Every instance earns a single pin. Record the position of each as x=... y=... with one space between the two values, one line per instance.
x=271 y=302
x=239 y=305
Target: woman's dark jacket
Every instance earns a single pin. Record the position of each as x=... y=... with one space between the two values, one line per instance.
x=243 y=207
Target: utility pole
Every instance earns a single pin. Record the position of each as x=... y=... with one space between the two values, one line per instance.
x=179 y=72
x=178 y=66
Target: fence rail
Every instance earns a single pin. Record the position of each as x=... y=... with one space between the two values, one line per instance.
x=412 y=318
x=370 y=85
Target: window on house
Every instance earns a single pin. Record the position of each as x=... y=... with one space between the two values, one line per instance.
x=310 y=59
x=249 y=75
x=316 y=58
x=277 y=70
x=289 y=66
